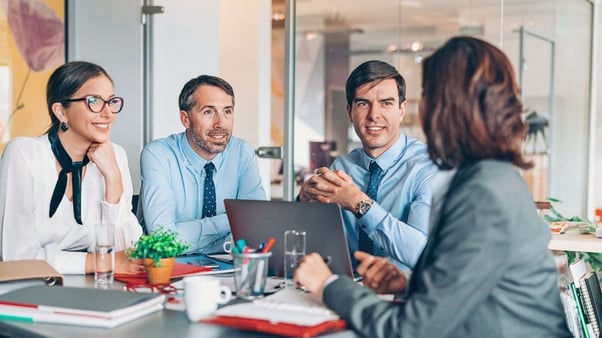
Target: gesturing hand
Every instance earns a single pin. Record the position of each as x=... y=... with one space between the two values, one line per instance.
x=311 y=273
x=379 y=274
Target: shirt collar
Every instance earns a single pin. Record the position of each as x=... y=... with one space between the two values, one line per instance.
x=194 y=160
x=389 y=157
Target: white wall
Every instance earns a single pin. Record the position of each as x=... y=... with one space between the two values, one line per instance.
x=185 y=45
x=244 y=56
x=570 y=125
x=109 y=33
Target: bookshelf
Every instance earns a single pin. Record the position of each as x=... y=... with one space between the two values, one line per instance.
x=576 y=242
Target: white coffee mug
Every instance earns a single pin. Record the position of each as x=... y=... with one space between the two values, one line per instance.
x=202 y=294
x=227 y=246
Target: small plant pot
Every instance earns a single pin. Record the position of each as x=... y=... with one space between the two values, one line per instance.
x=161 y=274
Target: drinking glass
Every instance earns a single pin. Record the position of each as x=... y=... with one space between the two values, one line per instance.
x=104 y=253
x=294 y=250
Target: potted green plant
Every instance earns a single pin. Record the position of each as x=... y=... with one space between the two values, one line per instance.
x=157 y=251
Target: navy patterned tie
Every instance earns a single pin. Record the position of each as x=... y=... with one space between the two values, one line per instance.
x=209 y=192
x=376 y=173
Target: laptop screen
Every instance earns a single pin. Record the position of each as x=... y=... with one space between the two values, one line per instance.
x=256 y=221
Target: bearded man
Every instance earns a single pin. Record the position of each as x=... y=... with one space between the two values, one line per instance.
x=186 y=176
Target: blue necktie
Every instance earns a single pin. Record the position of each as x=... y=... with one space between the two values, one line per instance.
x=376 y=173
x=209 y=192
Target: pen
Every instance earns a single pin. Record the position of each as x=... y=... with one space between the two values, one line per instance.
x=268 y=245
x=240 y=244
x=246 y=250
x=258 y=277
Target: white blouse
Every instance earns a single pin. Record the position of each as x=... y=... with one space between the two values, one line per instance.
x=27 y=179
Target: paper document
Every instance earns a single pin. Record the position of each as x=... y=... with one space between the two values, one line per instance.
x=286 y=306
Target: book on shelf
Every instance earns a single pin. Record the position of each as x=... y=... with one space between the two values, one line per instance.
x=583 y=321
x=77 y=306
x=290 y=313
x=592 y=298
x=566 y=295
x=570 y=309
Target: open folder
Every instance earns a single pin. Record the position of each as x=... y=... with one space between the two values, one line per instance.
x=290 y=313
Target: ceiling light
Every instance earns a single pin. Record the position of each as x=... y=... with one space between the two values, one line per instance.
x=311 y=36
x=416 y=46
x=277 y=16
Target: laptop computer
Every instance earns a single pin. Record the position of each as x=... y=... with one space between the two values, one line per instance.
x=255 y=221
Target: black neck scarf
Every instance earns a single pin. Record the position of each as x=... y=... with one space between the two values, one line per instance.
x=67 y=166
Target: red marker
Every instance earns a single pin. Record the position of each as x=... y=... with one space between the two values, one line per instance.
x=245 y=251
x=268 y=245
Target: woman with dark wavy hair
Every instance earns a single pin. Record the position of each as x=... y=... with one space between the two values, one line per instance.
x=486 y=270
x=58 y=186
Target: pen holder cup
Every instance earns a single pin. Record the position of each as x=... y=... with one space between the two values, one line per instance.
x=250 y=274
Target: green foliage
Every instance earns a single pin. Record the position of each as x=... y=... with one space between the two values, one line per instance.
x=592 y=258
x=553 y=215
x=160 y=243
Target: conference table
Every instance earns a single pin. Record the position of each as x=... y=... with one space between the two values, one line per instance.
x=165 y=323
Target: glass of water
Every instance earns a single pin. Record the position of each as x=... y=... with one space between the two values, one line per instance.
x=294 y=250
x=104 y=253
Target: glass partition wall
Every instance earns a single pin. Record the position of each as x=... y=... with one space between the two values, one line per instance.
x=549 y=43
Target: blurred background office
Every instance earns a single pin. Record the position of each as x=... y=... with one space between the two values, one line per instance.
x=287 y=61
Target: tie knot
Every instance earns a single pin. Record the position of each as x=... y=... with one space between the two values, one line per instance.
x=209 y=168
x=374 y=168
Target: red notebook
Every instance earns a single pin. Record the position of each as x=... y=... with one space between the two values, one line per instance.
x=281 y=329
x=179 y=270
x=290 y=313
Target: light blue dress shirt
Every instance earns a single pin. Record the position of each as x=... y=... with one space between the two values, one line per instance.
x=399 y=219
x=171 y=196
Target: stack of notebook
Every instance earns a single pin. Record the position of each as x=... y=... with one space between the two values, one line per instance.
x=77 y=306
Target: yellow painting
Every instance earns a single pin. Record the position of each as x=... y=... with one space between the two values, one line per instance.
x=32 y=45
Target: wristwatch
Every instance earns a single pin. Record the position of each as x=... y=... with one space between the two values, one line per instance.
x=362 y=207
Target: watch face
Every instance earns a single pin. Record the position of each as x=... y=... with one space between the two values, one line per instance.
x=363 y=207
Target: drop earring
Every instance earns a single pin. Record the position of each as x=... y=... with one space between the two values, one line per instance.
x=64 y=126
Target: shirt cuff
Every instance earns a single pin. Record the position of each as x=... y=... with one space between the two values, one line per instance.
x=373 y=217
x=109 y=213
x=327 y=282
x=68 y=263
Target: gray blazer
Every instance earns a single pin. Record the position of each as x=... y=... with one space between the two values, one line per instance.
x=486 y=270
